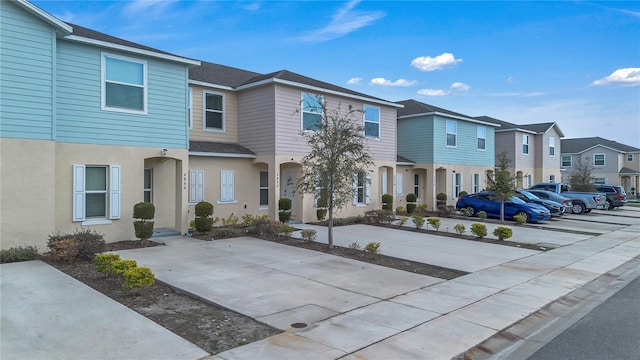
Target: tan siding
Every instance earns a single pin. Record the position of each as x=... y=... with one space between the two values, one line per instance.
x=385 y=147
x=256 y=119
x=230 y=116
x=522 y=160
x=505 y=142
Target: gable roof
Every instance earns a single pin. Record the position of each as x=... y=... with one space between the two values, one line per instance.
x=539 y=128
x=220 y=74
x=579 y=145
x=60 y=26
x=414 y=108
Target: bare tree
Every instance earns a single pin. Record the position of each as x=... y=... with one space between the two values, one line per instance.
x=502 y=185
x=581 y=178
x=337 y=155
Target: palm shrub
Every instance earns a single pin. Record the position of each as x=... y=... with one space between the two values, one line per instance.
x=373 y=248
x=285 y=229
x=308 y=235
x=459 y=228
x=520 y=219
x=143 y=213
x=479 y=230
x=284 y=204
x=502 y=232
x=387 y=202
x=400 y=210
x=434 y=222
x=203 y=221
x=418 y=221
x=411 y=203
x=403 y=220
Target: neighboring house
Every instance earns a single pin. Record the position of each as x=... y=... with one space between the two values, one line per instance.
x=613 y=163
x=90 y=125
x=246 y=153
x=441 y=151
x=533 y=150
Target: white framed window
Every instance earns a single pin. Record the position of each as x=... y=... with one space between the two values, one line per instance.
x=148 y=185
x=476 y=183
x=416 y=185
x=600 y=181
x=190 y=107
x=264 y=189
x=452 y=133
x=227 y=192
x=567 y=161
x=598 y=159
x=482 y=137
x=528 y=181
x=552 y=178
x=124 y=84
x=196 y=186
x=362 y=189
x=525 y=144
x=213 y=116
x=312 y=111
x=96 y=193
x=371 y=121
x=629 y=157
x=552 y=146
x=457 y=184
x=399 y=180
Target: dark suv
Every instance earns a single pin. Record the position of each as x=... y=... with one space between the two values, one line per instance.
x=616 y=197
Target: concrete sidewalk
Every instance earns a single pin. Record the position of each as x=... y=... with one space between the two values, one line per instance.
x=46 y=314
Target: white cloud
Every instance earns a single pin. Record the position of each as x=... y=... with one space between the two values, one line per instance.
x=432 y=92
x=460 y=86
x=624 y=77
x=428 y=63
x=355 y=81
x=253 y=6
x=399 y=82
x=345 y=21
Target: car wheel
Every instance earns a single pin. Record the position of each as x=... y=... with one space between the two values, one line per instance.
x=577 y=208
x=470 y=211
x=526 y=216
x=608 y=205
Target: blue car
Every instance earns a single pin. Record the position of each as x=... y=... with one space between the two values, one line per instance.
x=484 y=201
x=555 y=208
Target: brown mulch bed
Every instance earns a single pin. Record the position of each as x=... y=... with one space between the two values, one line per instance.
x=210 y=327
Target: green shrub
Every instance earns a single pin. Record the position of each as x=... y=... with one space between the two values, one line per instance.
x=284 y=204
x=520 y=219
x=89 y=243
x=358 y=219
x=225 y=233
x=204 y=209
x=380 y=216
x=232 y=220
x=403 y=220
x=354 y=245
x=20 y=253
x=411 y=198
x=308 y=235
x=137 y=277
x=120 y=266
x=459 y=228
x=103 y=262
x=441 y=197
x=285 y=230
x=143 y=229
x=247 y=220
x=387 y=202
x=411 y=208
x=64 y=250
x=284 y=216
x=421 y=208
x=463 y=193
x=260 y=225
x=373 y=248
x=418 y=221
x=482 y=215
x=399 y=210
x=144 y=210
x=321 y=214
x=203 y=224
x=479 y=230
x=502 y=232
x=434 y=223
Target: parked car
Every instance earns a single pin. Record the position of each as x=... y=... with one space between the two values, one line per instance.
x=616 y=196
x=555 y=208
x=548 y=195
x=485 y=201
x=583 y=202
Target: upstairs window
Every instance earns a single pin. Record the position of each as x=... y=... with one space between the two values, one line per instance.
x=189 y=107
x=566 y=161
x=311 y=111
x=371 y=121
x=124 y=84
x=598 y=159
x=525 y=144
x=213 y=111
x=552 y=146
x=482 y=137
x=629 y=157
x=452 y=133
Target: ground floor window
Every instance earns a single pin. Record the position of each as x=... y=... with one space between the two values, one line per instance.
x=148 y=185
x=552 y=178
x=264 y=188
x=475 y=183
x=362 y=188
x=96 y=192
x=457 y=184
x=416 y=185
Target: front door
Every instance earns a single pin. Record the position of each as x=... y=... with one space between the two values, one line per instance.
x=289 y=187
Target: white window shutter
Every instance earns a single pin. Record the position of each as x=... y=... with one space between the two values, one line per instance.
x=461 y=182
x=399 y=182
x=226 y=186
x=192 y=186
x=78 y=192
x=230 y=184
x=199 y=185
x=367 y=187
x=114 y=193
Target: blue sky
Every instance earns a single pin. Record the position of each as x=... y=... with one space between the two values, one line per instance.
x=573 y=62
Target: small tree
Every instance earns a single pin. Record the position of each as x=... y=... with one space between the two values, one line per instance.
x=411 y=202
x=581 y=178
x=203 y=221
x=143 y=214
x=337 y=153
x=387 y=202
x=284 y=215
x=502 y=184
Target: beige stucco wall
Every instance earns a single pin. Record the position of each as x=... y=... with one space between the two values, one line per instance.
x=27 y=192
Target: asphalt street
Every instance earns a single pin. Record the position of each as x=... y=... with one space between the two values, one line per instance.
x=609 y=331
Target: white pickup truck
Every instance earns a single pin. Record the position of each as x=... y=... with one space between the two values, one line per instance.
x=583 y=202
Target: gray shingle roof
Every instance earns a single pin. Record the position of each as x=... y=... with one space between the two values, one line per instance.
x=218 y=147
x=578 y=145
x=536 y=128
x=627 y=171
x=402 y=159
x=414 y=107
x=220 y=74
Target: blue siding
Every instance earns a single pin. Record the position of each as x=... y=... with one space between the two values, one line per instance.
x=415 y=139
x=27 y=50
x=466 y=151
x=80 y=117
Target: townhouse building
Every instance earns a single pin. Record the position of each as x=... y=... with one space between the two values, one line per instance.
x=83 y=116
x=441 y=151
x=612 y=162
x=533 y=150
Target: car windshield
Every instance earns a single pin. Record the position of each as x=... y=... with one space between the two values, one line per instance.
x=517 y=200
x=528 y=195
